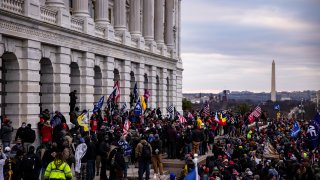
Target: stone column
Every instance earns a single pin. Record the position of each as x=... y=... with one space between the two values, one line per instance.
x=140 y=79
x=120 y=21
x=179 y=30
x=179 y=90
x=135 y=23
x=125 y=82
x=153 y=87
x=55 y=3
x=169 y=23
x=108 y=75
x=120 y=15
x=148 y=20
x=173 y=87
x=80 y=8
x=163 y=90
x=102 y=12
x=159 y=22
x=135 y=18
x=29 y=108
x=86 y=99
x=62 y=81
x=63 y=16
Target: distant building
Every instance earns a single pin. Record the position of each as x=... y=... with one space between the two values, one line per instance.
x=285 y=99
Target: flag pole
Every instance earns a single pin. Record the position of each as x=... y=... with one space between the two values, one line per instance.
x=195 y=160
x=88 y=123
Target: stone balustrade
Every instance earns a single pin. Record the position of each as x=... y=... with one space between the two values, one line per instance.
x=48 y=15
x=77 y=24
x=15 y=6
x=99 y=31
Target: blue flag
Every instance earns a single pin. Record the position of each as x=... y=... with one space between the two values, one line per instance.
x=135 y=92
x=313 y=132
x=295 y=129
x=138 y=108
x=99 y=104
x=191 y=175
x=277 y=107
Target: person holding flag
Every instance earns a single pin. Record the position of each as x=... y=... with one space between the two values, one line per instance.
x=313 y=132
x=83 y=121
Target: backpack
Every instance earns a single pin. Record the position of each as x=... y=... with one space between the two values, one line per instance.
x=116 y=159
x=146 y=152
x=29 y=162
x=31 y=135
x=155 y=146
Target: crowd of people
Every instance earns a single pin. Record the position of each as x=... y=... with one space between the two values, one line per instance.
x=105 y=143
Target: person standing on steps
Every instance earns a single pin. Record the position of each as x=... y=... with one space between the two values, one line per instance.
x=143 y=153
x=73 y=100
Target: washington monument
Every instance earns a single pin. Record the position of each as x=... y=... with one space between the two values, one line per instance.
x=273 y=82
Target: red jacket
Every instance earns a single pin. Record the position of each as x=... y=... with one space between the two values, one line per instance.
x=46 y=133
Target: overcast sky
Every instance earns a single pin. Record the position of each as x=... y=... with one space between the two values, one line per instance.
x=230 y=44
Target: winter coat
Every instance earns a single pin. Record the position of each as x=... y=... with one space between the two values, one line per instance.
x=6 y=133
x=46 y=133
x=21 y=133
x=138 y=150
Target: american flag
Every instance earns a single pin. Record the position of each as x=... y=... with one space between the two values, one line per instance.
x=181 y=118
x=255 y=113
x=115 y=95
x=206 y=109
x=126 y=127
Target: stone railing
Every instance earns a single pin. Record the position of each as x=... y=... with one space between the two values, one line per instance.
x=99 y=31
x=15 y=6
x=134 y=42
x=118 y=37
x=48 y=15
x=77 y=24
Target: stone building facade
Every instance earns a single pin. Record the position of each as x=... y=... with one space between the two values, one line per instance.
x=49 y=48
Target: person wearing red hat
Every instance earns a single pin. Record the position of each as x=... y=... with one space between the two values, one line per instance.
x=6 y=132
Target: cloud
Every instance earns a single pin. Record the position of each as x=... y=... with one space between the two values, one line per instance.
x=216 y=72
x=231 y=44
x=251 y=15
